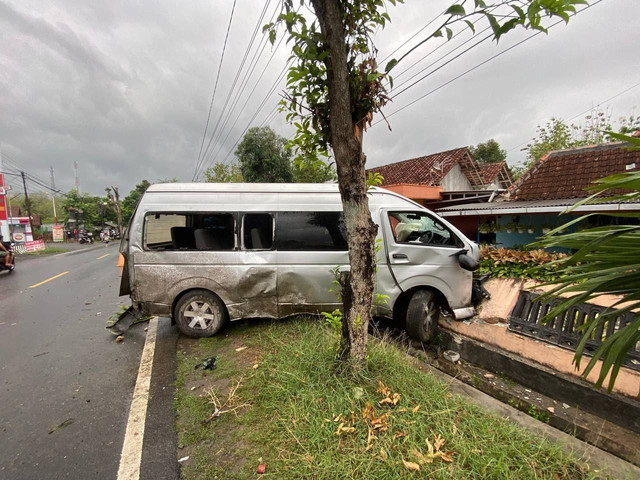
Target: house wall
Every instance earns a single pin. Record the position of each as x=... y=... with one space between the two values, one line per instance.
x=455 y=180
x=517 y=239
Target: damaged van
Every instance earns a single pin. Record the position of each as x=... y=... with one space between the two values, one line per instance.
x=204 y=254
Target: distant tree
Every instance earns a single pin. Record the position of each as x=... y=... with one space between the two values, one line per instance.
x=93 y=209
x=488 y=152
x=130 y=202
x=222 y=173
x=263 y=157
x=312 y=171
x=592 y=130
x=41 y=204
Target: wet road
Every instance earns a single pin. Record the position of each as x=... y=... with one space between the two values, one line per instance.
x=65 y=384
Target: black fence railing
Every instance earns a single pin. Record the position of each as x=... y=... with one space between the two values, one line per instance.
x=564 y=330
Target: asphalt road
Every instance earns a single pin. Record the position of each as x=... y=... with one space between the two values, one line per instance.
x=65 y=384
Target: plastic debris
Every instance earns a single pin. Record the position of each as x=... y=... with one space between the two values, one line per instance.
x=183 y=459
x=261 y=468
x=209 y=363
x=451 y=356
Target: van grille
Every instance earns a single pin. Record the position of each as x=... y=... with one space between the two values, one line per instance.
x=564 y=330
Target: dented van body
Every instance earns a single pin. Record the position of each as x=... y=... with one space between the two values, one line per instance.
x=270 y=250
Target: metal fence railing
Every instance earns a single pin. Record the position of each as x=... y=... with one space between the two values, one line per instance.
x=565 y=330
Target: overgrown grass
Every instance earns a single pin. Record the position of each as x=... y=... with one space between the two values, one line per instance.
x=299 y=401
x=47 y=251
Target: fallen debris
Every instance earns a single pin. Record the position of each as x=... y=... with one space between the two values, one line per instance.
x=119 y=338
x=183 y=459
x=261 y=468
x=451 y=356
x=66 y=423
x=209 y=363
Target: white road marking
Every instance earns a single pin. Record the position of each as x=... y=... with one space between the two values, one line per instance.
x=131 y=456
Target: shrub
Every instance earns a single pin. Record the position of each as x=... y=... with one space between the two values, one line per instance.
x=509 y=263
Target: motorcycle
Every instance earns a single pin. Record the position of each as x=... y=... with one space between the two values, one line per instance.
x=11 y=268
x=85 y=237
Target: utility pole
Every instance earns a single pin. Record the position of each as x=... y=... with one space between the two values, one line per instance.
x=53 y=198
x=75 y=169
x=27 y=202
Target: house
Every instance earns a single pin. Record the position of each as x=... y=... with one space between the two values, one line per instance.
x=447 y=176
x=531 y=206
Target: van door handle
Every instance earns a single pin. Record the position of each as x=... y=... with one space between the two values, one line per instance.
x=400 y=256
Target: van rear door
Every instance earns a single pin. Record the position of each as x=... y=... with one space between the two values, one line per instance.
x=422 y=251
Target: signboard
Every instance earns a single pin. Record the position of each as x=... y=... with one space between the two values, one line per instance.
x=58 y=232
x=34 y=246
x=3 y=199
x=18 y=237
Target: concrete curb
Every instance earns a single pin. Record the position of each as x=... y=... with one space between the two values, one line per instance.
x=603 y=461
x=81 y=250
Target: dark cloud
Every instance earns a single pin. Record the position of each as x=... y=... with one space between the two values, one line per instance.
x=123 y=88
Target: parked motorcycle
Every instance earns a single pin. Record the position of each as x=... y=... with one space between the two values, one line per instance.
x=9 y=246
x=85 y=237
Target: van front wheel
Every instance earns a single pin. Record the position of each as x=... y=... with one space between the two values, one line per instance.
x=200 y=313
x=423 y=312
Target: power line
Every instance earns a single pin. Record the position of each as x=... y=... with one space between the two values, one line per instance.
x=243 y=85
x=589 y=109
x=413 y=36
x=473 y=68
x=215 y=88
x=212 y=160
x=233 y=85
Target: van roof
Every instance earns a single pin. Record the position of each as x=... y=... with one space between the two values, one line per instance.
x=252 y=187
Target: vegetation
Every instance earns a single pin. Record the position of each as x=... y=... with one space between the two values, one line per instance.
x=275 y=400
x=559 y=135
x=335 y=87
x=606 y=261
x=519 y=264
x=93 y=209
x=488 y=152
x=130 y=202
x=223 y=173
x=41 y=204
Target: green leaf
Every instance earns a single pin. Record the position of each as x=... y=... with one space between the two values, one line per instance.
x=272 y=36
x=392 y=63
x=437 y=33
x=455 y=10
x=471 y=26
x=449 y=33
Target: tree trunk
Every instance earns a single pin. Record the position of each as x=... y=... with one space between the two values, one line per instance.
x=346 y=142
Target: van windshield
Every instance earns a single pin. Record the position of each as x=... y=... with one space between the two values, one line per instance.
x=421 y=229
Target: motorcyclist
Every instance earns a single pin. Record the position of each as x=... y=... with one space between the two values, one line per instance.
x=5 y=253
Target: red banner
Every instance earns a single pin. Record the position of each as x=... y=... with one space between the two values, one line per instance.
x=35 y=245
x=3 y=199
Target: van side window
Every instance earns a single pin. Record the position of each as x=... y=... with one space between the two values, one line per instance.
x=311 y=231
x=257 y=231
x=189 y=231
x=421 y=229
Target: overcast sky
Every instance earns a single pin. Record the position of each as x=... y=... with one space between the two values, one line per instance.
x=123 y=88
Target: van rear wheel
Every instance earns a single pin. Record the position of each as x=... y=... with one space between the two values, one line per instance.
x=423 y=312
x=199 y=314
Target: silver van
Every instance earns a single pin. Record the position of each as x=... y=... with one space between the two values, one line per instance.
x=204 y=254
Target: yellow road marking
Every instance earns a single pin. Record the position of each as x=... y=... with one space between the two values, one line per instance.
x=105 y=255
x=48 y=280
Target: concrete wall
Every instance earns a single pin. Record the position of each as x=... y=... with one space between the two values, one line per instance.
x=490 y=327
x=455 y=180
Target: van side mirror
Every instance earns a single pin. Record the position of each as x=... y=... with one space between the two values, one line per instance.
x=467 y=262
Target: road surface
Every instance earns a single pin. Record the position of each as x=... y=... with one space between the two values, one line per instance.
x=66 y=385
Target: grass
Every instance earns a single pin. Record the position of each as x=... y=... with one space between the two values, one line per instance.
x=47 y=251
x=299 y=402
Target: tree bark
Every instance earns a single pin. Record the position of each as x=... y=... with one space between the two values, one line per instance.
x=346 y=142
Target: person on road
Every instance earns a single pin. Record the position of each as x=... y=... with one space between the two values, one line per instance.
x=5 y=254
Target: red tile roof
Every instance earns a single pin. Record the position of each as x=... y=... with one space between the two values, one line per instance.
x=427 y=170
x=490 y=171
x=566 y=173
